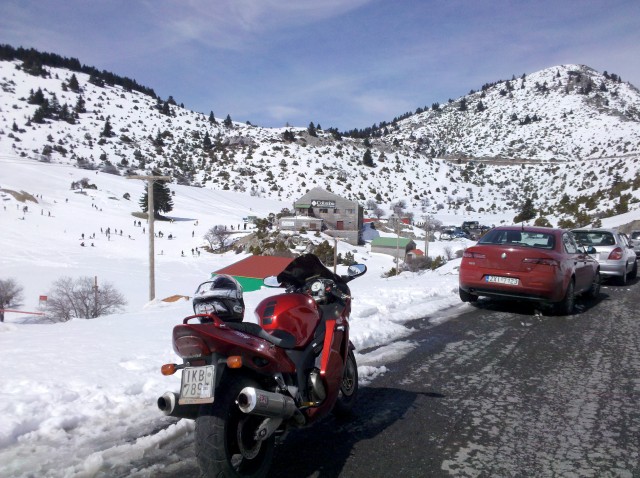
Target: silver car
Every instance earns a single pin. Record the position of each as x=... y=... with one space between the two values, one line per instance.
x=634 y=241
x=616 y=257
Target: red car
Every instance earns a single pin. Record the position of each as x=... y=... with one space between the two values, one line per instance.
x=533 y=263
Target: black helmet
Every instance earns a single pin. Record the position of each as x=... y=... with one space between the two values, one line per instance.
x=221 y=296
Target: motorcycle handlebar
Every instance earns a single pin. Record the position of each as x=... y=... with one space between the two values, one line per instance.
x=338 y=293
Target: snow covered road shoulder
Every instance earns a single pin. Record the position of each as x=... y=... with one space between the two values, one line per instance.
x=78 y=399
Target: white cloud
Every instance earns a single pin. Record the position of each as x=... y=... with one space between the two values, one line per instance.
x=237 y=24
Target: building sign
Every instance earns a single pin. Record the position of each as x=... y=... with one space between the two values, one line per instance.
x=323 y=203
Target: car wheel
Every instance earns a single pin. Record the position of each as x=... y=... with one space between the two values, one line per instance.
x=466 y=297
x=634 y=272
x=565 y=306
x=594 y=290
x=622 y=279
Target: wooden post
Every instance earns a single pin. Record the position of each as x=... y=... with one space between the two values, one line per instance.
x=150 y=217
x=95 y=297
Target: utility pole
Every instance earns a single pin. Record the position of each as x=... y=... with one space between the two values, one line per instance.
x=95 y=297
x=427 y=223
x=150 y=217
x=396 y=215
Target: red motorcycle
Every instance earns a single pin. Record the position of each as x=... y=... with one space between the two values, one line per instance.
x=247 y=384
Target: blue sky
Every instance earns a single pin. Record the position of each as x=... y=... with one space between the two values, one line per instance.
x=338 y=63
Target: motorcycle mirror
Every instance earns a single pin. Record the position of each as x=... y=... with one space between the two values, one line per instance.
x=271 y=281
x=356 y=270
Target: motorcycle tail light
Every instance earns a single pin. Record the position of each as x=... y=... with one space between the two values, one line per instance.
x=615 y=254
x=541 y=261
x=190 y=346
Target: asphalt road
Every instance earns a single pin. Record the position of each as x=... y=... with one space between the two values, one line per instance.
x=497 y=390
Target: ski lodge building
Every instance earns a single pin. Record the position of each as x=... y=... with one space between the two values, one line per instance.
x=321 y=210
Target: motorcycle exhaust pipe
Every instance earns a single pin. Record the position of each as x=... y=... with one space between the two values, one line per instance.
x=168 y=404
x=267 y=404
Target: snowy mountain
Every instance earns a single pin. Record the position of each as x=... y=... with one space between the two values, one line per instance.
x=577 y=130
x=567 y=112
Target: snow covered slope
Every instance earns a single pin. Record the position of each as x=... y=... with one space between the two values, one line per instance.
x=588 y=122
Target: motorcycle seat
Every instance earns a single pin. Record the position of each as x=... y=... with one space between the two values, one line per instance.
x=279 y=338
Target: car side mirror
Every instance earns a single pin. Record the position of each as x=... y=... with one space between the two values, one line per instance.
x=589 y=249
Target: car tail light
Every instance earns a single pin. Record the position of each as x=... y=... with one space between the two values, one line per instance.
x=615 y=254
x=473 y=255
x=541 y=261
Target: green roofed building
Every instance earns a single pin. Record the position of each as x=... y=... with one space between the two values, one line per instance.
x=251 y=271
x=393 y=246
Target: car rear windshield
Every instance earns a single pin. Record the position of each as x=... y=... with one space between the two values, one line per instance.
x=517 y=237
x=635 y=235
x=594 y=238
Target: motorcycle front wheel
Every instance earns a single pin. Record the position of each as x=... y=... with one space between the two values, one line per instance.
x=225 y=447
x=348 y=387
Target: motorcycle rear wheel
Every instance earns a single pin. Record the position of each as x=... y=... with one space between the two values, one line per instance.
x=225 y=447
x=348 y=388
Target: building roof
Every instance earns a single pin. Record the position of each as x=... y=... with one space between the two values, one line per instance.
x=319 y=193
x=390 y=242
x=257 y=266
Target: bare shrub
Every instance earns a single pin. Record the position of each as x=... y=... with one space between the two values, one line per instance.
x=217 y=236
x=448 y=253
x=10 y=295
x=80 y=298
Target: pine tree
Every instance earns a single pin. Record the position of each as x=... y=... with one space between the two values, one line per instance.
x=527 y=211
x=40 y=114
x=80 y=105
x=212 y=118
x=288 y=136
x=227 y=121
x=206 y=142
x=107 y=131
x=36 y=98
x=311 y=129
x=367 y=159
x=162 y=201
x=73 y=83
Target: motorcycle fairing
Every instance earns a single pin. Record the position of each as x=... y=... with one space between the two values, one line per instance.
x=257 y=353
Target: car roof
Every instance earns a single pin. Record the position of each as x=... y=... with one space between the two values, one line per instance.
x=595 y=229
x=546 y=230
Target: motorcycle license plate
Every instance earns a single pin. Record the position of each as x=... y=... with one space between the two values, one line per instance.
x=197 y=385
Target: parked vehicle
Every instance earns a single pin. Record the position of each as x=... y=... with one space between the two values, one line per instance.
x=247 y=384
x=450 y=233
x=533 y=263
x=616 y=257
x=634 y=241
x=473 y=229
